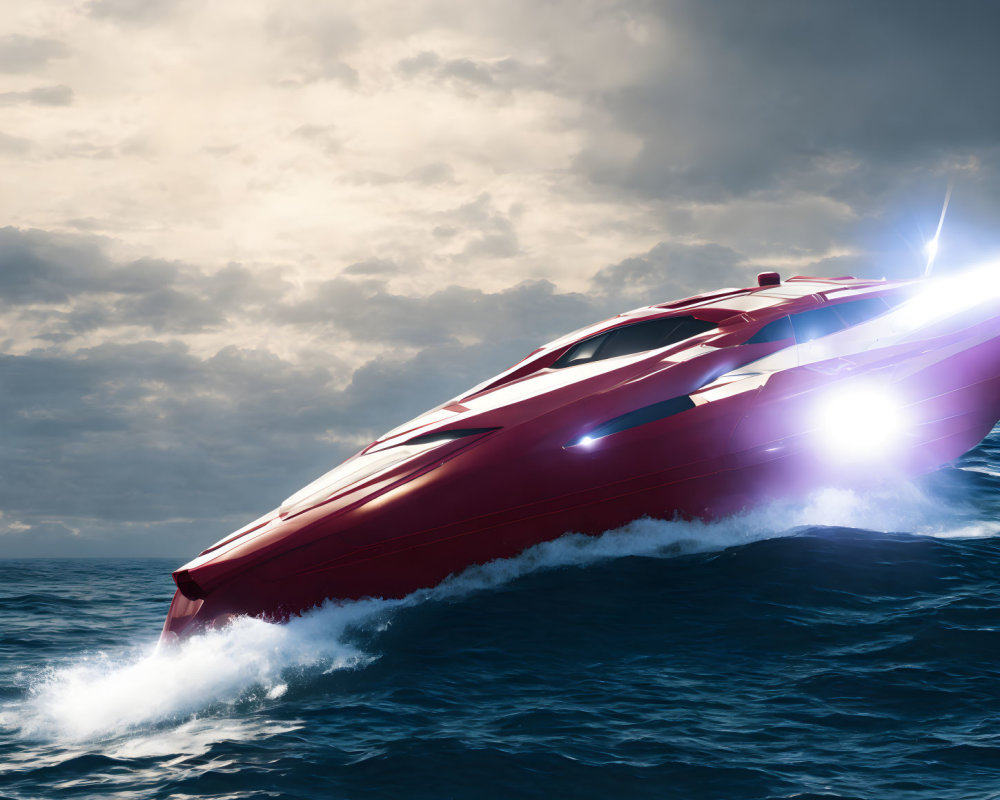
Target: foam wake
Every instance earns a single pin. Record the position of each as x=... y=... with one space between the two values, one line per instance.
x=130 y=693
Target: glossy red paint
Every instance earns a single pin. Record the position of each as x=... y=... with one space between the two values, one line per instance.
x=546 y=449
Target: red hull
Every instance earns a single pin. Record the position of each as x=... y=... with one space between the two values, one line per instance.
x=555 y=445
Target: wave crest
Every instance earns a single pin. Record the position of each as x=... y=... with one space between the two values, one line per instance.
x=112 y=695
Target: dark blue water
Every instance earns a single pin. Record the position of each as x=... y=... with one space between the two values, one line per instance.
x=846 y=647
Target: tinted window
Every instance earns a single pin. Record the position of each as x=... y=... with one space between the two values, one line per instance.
x=641 y=336
x=818 y=322
x=775 y=331
x=584 y=351
x=651 y=335
x=858 y=311
x=811 y=325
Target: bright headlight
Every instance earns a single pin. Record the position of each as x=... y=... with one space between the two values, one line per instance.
x=860 y=422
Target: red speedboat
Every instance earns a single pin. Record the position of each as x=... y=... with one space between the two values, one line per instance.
x=696 y=408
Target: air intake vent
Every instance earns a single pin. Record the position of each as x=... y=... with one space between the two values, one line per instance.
x=447 y=436
x=633 y=419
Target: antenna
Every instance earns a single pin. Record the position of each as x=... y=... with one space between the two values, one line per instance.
x=931 y=248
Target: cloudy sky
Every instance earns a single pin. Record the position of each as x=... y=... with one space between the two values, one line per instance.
x=239 y=240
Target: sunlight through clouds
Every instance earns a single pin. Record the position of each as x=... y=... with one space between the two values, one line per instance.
x=238 y=238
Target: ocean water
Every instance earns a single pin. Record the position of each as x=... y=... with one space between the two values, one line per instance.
x=847 y=646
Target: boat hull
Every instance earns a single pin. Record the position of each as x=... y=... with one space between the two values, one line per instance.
x=501 y=494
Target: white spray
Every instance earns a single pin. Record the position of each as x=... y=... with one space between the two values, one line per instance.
x=126 y=694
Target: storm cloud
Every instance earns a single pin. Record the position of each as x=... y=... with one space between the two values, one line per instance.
x=146 y=431
x=808 y=95
x=226 y=269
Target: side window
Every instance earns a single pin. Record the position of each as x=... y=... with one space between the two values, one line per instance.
x=636 y=338
x=858 y=311
x=582 y=352
x=813 y=324
x=652 y=334
x=775 y=331
x=639 y=337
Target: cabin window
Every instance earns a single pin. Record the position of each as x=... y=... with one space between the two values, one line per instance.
x=636 y=338
x=813 y=324
x=817 y=322
x=776 y=331
x=858 y=311
x=582 y=352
